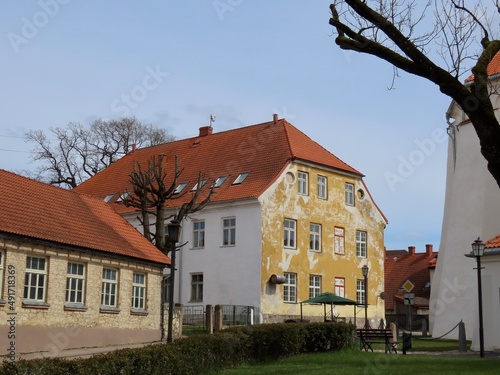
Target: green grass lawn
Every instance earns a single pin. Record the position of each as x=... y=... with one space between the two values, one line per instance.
x=360 y=362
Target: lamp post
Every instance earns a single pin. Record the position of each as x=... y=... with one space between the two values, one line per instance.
x=173 y=237
x=364 y=269
x=478 y=252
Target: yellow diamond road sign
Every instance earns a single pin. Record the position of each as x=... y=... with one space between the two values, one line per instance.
x=408 y=286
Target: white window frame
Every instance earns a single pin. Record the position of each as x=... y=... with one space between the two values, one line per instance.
x=75 y=283
x=349 y=194
x=339 y=240
x=314 y=286
x=35 y=280
x=229 y=231
x=340 y=286
x=361 y=244
x=360 y=292
x=220 y=180
x=196 y=287
x=241 y=177
x=290 y=288
x=315 y=237
x=303 y=183
x=139 y=291
x=109 y=290
x=199 y=234
x=290 y=233
x=322 y=187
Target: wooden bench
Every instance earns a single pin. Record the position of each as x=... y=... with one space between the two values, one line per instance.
x=369 y=336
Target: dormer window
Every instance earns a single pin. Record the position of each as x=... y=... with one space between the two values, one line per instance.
x=240 y=178
x=180 y=187
x=202 y=182
x=109 y=197
x=219 y=181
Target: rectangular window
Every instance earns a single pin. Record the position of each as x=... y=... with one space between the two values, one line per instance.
x=199 y=234
x=314 y=286
x=340 y=286
x=360 y=292
x=196 y=287
x=2 y=266
x=139 y=291
x=322 y=187
x=361 y=244
x=229 y=231
x=303 y=181
x=75 y=283
x=35 y=280
x=290 y=233
x=339 y=241
x=290 y=288
x=109 y=293
x=315 y=237
x=349 y=194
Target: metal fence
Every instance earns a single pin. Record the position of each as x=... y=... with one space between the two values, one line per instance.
x=194 y=315
x=232 y=315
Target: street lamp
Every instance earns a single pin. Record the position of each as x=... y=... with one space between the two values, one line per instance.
x=478 y=252
x=174 y=230
x=364 y=269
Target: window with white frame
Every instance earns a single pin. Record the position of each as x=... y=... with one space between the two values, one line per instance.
x=340 y=286
x=339 y=241
x=35 y=279
x=229 y=231
x=314 y=286
x=75 y=283
x=361 y=244
x=322 y=187
x=109 y=292
x=349 y=194
x=196 y=287
x=2 y=262
x=290 y=288
x=360 y=292
x=139 y=291
x=290 y=233
x=199 y=234
x=303 y=181
x=315 y=237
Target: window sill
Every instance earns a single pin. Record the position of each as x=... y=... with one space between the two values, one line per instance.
x=197 y=248
x=29 y=304
x=109 y=310
x=75 y=307
x=230 y=245
x=139 y=312
x=2 y=302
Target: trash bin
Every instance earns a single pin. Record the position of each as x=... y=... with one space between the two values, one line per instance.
x=406 y=342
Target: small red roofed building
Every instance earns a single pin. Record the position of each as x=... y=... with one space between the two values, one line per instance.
x=407 y=271
x=73 y=273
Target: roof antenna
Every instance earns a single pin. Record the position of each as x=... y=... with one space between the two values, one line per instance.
x=212 y=119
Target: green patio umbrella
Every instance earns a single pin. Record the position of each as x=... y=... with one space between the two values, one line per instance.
x=328 y=298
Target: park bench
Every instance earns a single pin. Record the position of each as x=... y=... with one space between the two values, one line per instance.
x=369 y=336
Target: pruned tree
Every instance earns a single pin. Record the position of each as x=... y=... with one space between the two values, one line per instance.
x=151 y=192
x=70 y=155
x=459 y=37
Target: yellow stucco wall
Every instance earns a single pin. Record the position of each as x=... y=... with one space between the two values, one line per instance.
x=282 y=201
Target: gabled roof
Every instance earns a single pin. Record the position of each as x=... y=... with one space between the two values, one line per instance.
x=402 y=265
x=38 y=211
x=492 y=246
x=262 y=150
x=492 y=69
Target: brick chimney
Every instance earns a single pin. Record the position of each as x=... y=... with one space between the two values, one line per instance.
x=428 y=250
x=275 y=119
x=206 y=130
x=411 y=250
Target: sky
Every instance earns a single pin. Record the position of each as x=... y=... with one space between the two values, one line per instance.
x=175 y=63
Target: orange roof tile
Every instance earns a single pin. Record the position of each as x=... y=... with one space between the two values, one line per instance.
x=493 y=243
x=263 y=150
x=493 y=68
x=32 y=209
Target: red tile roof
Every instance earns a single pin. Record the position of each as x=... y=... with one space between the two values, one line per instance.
x=35 y=210
x=493 y=243
x=493 y=68
x=263 y=150
x=401 y=265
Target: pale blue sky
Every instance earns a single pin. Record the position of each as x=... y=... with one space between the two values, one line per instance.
x=173 y=63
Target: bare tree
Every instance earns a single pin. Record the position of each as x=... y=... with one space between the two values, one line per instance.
x=151 y=193
x=459 y=36
x=70 y=155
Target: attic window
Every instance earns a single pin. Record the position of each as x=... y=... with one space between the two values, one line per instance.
x=123 y=196
x=109 y=197
x=179 y=188
x=202 y=182
x=219 y=181
x=240 y=178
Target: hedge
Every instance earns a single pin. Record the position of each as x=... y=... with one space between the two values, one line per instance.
x=200 y=354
